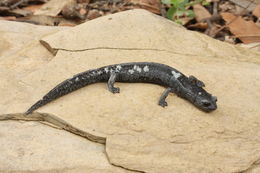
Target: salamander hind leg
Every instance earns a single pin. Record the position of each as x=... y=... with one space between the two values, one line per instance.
x=162 y=101
x=111 y=82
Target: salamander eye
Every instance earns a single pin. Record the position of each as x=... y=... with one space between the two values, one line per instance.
x=206 y=103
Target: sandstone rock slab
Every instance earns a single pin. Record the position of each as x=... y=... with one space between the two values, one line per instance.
x=231 y=132
x=141 y=135
x=35 y=147
x=20 y=54
x=32 y=146
x=150 y=31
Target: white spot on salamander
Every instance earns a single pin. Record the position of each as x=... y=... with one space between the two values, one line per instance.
x=77 y=79
x=99 y=72
x=199 y=93
x=131 y=71
x=176 y=74
x=111 y=70
x=93 y=73
x=146 y=68
x=137 y=68
x=118 y=68
x=106 y=70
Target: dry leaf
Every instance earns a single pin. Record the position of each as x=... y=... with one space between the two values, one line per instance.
x=246 y=31
x=246 y=4
x=199 y=25
x=256 y=11
x=4 y=9
x=51 y=8
x=33 y=8
x=150 y=5
x=200 y=12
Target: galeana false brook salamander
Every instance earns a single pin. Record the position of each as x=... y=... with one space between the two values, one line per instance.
x=188 y=88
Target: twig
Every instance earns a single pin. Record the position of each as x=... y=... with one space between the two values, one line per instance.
x=215 y=16
x=18 y=3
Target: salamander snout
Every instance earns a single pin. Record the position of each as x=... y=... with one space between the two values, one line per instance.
x=208 y=104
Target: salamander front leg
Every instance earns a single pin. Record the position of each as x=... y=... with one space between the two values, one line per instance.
x=162 y=101
x=111 y=82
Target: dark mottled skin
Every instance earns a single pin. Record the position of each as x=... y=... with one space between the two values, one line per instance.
x=188 y=88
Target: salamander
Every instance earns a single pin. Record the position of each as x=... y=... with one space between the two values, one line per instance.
x=189 y=88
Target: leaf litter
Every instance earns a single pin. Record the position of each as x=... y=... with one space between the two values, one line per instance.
x=233 y=21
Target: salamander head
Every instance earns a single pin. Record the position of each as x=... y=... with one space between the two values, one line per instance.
x=200 y=97
x=205 y=101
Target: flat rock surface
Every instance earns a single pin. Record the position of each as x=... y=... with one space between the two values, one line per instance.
x=32 y=146
x=20 y=54
x=140 y=134
x=125 y=30
x=35 y=147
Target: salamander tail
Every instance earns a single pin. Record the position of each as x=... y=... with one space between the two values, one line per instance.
x=35 y=106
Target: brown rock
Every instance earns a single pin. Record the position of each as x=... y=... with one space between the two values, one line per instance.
x=72 y=10
x=92 y=14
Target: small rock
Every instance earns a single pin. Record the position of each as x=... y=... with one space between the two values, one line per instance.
x=92 y=14
x=72 y=11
